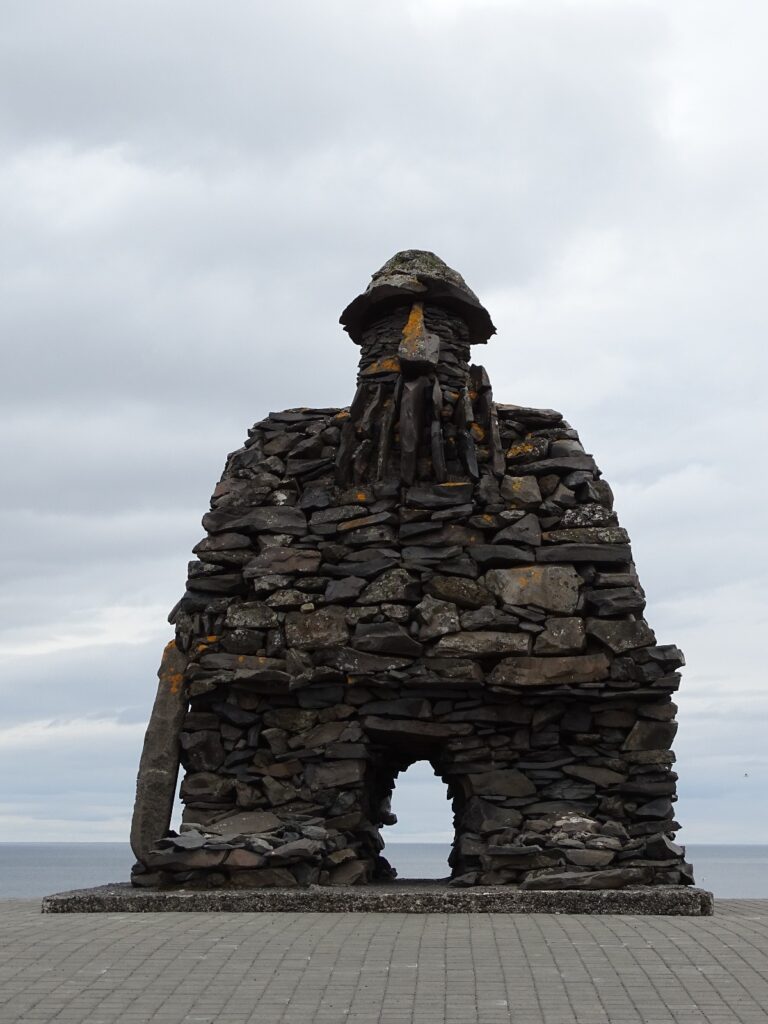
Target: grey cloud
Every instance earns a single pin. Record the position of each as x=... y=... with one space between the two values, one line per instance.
x=189 y=196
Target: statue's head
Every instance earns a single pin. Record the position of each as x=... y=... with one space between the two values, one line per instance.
x=417 y=275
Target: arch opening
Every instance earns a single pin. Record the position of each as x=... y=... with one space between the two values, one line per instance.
x=419 y=834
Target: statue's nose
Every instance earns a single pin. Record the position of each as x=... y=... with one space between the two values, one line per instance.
x=419 y=351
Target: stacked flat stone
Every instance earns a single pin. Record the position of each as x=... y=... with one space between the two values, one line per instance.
x=425 y=575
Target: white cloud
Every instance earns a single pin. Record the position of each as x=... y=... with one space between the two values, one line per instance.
x=89 y=627
x=45 y=733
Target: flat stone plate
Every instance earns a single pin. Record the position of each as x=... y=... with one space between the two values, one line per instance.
x=402 y=897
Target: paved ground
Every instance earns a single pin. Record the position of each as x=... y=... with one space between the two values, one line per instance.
x=383 y=968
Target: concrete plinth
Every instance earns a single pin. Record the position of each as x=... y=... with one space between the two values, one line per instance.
x=402 y=897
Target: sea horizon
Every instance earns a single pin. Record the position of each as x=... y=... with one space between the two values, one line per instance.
x=36 y=868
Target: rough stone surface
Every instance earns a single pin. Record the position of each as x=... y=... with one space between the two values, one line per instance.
x=555 y=587
x=159 y=766
x=396 y=898
x=425 y=575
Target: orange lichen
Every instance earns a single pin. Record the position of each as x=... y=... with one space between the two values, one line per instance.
x=413 y=331
x=415 y=322
x=175 y=680
x=387 y=364
x=524 y=448
x=477 y=432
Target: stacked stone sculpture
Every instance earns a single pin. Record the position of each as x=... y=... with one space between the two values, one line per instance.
x=424 y=575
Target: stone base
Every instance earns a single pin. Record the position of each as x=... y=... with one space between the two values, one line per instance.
x=401 y=897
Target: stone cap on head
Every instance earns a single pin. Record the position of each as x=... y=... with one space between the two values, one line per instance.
x=416 y=274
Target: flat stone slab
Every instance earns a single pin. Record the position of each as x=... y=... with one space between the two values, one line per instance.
x=401 y=897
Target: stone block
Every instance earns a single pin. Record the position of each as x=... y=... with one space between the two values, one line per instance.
x=586 y=668
x=554 y=588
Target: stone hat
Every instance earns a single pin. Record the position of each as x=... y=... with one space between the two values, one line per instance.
x=417 y=274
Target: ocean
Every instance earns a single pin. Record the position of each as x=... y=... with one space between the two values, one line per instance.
x=33 y=870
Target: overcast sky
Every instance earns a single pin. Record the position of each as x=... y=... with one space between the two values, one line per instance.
x=191 y=192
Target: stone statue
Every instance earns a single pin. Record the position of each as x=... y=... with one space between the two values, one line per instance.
x=424 y=575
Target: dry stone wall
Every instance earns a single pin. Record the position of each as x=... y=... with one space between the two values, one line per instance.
x=425 y=575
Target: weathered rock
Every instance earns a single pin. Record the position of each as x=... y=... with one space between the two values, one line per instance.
x=610 y=878
x=313 y=630
x=344 y=590
x=489 y=617
x=586 y=535
x=602 y=777
x=576 y=553
x=347 y=659
x=485 y=817
x=436 y=618
x=589 y=858
x=562 y=635
x=495 y=555
x=439 y=495
x=521 y=491
x=525 y=531
x=555 y=588
x=651 y=735
x=203 y=750
x=279 y=560
x=562 y=464
x=482 y=644
x=333 y=774
x=385 y=638
x=504 y=782
x=621 y=636
x=617 y=601
x=274 y=519
x=462 y=592
x=586 y=668
x=159 y=766
x=659 y=847
x=660 y=808
x=395 y=728
x=394 y=585
x=244 y=823
x=206 y=787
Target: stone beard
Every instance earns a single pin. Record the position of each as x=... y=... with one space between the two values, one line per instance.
x=426 y=575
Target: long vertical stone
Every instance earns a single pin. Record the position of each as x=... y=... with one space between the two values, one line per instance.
x=159 y=765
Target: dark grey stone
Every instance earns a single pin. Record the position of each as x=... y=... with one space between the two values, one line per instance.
x=621 y=636
x=585 y=668
x=385 y=638
x=462 y=592
x=555 y=588
x=313 y=630
x=159 y=765
x=273 y=519
x=398 y=897
x=598 y=553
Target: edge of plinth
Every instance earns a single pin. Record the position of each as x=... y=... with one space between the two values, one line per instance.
x=402 y=897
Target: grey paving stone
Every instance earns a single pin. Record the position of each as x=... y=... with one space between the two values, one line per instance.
x=329 y=968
